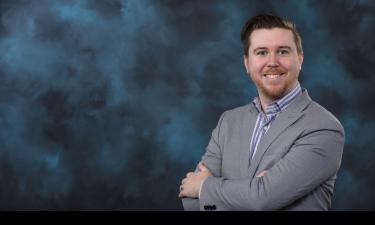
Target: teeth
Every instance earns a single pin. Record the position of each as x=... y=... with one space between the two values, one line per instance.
x=272 y=76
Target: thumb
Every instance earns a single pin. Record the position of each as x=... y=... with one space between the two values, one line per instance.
x=202 y=167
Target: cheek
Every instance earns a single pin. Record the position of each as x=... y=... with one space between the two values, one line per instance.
x=291 y=66
x=256 y=67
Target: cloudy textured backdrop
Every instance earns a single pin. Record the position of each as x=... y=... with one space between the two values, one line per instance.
x=107 y=104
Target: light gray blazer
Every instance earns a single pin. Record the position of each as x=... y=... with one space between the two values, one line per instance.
x=301 y=151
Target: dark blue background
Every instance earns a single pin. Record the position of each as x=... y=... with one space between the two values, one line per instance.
x=107 y=104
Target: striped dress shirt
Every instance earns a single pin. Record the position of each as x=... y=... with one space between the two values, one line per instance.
x=264 y=120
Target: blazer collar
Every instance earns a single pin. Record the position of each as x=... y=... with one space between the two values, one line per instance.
x=298 y=105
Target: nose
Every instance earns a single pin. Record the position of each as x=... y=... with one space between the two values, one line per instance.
x=272 y=61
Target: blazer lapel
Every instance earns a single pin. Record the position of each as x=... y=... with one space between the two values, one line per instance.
x=281 y=123
x=247 y=132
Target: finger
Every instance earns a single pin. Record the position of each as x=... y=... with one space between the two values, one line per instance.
x=183 y=181
x=261 y=174
x=189 y=174
x=202 y=167
x=181 y=194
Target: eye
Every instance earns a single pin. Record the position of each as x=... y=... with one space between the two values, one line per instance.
x=261 y=53
x=283 y=52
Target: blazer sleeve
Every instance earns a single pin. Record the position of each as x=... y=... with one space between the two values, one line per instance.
x=314 y=157
x=212 y=159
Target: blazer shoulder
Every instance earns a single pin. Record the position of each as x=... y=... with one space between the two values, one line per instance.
x=320 y=116
x=238 y=112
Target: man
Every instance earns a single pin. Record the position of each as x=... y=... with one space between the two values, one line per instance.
x=280 y=152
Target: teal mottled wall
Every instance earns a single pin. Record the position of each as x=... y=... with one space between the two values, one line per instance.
x=107 y=104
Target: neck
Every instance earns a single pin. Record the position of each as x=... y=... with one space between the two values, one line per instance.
x=264 y=102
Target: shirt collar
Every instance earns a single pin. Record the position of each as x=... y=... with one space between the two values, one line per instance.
x=278 y=105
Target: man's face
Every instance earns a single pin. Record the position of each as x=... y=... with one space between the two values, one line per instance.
x=273 y=62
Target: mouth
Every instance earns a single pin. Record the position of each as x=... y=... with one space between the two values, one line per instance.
x=273 y=76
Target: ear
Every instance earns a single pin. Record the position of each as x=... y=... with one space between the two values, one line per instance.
x=300 y=59
x=246 y=62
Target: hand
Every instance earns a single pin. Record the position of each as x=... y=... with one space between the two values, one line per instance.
x=190 y=186
x=261 y=174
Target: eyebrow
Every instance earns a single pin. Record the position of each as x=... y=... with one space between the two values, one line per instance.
x=264 y=48
x=288 y=47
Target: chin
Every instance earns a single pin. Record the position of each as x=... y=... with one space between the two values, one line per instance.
x=275 y=93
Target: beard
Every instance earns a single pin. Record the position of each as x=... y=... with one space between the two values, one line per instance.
x=274 y=92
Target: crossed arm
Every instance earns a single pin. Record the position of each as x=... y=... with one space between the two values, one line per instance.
x=314 y=158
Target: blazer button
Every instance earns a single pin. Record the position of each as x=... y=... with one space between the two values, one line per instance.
x=209 y=207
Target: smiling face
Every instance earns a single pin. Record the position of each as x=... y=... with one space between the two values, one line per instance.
x=273 y=63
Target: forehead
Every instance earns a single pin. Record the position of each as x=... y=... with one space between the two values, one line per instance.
x=271 y=38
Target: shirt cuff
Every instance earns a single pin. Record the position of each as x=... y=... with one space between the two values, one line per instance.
x=200 y=189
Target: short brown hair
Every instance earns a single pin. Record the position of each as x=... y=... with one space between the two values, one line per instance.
x=268 y=21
